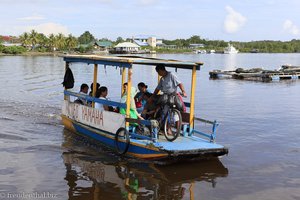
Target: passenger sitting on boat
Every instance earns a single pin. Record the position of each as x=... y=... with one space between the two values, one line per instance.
x=168 y=85
x=101 y=93
x=150 y=107
x=139 y=98
x=124 y=88
x=92 y=86
x=91 y=92
x=84 y=88
x=133 y=112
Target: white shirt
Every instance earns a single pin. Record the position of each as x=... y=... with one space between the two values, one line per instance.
x=99 y=106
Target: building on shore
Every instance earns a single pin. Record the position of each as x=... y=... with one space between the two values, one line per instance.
x=195 y=46
x=169 y=46
x=102 y=47
x=146 y=41
x=8 y=44
x=126 y=47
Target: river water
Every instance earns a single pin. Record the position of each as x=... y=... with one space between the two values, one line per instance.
x=259 y=122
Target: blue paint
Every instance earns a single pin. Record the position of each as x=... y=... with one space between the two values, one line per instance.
x=189 y=144
x=111 y=141
x=94 y=61
x=93 y=99
x=294 y=77
x=275 y=78
x=127 y=61
x=201 y=133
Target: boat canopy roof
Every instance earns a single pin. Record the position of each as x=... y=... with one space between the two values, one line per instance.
x=127 y=61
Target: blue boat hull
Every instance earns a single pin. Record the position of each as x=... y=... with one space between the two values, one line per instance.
x=188 y=149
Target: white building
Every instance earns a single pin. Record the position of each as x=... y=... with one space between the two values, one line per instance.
x=127 y=47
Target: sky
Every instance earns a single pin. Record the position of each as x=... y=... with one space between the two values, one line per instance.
x=229 y=20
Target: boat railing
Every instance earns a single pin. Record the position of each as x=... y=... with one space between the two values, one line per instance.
x=153 y=134
x=94 y=99
x=153 y=124
x=212 y=135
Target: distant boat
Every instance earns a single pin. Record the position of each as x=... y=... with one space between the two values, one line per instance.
x=200 y=51
x=230 y=49
x=254 y=51
x=212 y=51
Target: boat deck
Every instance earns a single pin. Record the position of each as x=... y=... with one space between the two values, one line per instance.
x=189 y=143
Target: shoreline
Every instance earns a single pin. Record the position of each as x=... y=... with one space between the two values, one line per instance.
x=62 y=53
x=34 y=54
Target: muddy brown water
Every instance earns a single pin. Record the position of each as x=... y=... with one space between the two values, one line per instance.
x=259 y=122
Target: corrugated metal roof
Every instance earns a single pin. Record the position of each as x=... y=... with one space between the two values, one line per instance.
x=140 y=43
x=127 y=45
x=145 y=37
x=104 y=43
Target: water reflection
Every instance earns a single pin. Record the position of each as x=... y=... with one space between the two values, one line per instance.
x=230 y=62
x=99 y=174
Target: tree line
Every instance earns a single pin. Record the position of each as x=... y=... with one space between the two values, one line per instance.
x=265 y=46
x=34 y=41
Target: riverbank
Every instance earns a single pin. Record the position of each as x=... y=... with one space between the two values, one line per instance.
x=31 y=53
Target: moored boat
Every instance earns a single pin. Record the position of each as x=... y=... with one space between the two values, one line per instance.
x=119 y=131
x=230 y=49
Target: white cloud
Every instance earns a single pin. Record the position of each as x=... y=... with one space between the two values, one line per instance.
x=291 y=28
x=31 y=18
x=48 y=28
x=233 y=20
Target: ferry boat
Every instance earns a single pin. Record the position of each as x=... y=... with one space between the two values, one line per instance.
x=118 y=131
x=230 y=49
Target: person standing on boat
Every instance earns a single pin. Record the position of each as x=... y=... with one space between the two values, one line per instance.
x=84 y=88
x=168 y=85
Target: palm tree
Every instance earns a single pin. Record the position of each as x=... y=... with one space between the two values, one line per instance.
x=43 y=40
x=71 y=42
x=33 y=37
x=60 y=41
x=52 y=42
x=25 y=40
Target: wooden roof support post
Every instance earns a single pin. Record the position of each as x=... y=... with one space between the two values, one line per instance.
x=128 y=100
x=95 y=82
x=192 y=191
x=123 y=79
x=192 y=107
x=66 y=97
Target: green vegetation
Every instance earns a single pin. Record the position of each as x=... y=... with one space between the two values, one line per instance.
x=86 y=38
x=13 y=50
x=266 y=46
x=292 y=46
x=38 y=42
